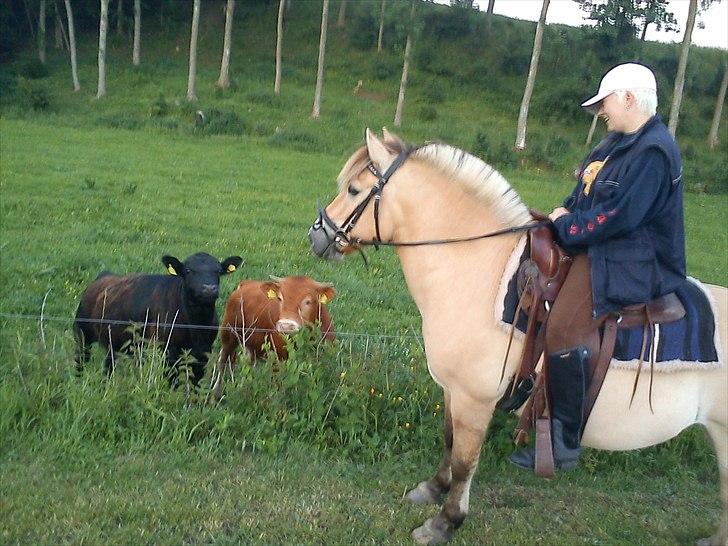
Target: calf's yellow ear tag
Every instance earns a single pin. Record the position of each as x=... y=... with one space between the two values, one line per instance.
x=272 y=294
x=171 y=270
x=323 y=299
x=231 y=268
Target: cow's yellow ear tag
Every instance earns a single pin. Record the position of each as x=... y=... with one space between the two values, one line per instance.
x=323 y=299
x=272 y=294
x=231 y=268
x=171 y=270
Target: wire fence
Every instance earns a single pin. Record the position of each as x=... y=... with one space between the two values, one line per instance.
x=173 y=325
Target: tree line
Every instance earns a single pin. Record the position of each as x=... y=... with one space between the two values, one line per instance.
x=624 y=22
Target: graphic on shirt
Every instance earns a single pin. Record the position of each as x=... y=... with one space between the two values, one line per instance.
x=590 y=173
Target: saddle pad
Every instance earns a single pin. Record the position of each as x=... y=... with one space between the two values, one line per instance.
x=688 y=343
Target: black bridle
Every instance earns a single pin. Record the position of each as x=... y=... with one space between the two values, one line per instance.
x=341 y=235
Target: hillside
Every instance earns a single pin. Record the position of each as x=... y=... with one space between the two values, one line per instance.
x=464 y=88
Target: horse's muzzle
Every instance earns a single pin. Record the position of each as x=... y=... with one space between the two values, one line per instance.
x=323 y=235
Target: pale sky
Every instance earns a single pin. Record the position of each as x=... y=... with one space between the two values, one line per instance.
x=715 y=19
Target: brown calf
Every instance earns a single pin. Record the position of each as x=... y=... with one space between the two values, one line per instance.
x=258 y=312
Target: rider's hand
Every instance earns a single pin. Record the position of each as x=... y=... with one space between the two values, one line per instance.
x=557 y=213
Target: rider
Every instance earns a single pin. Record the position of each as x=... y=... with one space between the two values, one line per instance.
x=623 y=225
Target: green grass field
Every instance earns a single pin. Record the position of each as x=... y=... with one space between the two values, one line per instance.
x=322 y=451
x=85 y=461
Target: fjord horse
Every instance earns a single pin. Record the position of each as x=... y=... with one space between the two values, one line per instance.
x=437 y=192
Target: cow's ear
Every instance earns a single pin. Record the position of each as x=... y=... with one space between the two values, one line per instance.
x=173 y=265
x=378 y=152
x=326 y=293
x=270 y=289
x=231 y=264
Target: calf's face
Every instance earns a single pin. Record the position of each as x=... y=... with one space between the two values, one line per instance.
x=201 y=274
x=300 y=300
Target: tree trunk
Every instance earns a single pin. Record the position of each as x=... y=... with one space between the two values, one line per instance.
x=103 y=26
x=42 y=32
x=381 y=29
x=341 y=21
x=316 y=113
x=60 y=29
x=405 y=70
x=592 y=127
x=72 y=45
x=644 y=31
x=30 y=19
x=713 y=134
x=191 y=96
x=120 y=18
x=523 y=113
x=223 y=82
x=491 y=3
x=279 y=48
x=680 y=77
x=137 y=33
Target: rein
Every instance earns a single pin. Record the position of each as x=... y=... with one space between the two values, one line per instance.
x=514 y=229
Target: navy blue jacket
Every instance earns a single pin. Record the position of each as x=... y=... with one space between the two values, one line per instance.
x=626 y=211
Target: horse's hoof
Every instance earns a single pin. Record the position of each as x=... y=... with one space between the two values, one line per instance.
x=423 y=494
x=429 y=534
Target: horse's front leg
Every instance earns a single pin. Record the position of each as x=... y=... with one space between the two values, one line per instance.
x=433 y=490
x=470 y=419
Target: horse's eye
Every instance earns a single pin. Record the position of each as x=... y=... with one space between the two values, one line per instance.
x=353 y=191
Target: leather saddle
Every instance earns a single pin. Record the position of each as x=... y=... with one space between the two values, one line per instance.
x=539 y=279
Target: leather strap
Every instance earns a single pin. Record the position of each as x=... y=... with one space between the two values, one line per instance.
x=601 y=367
x=544 y=463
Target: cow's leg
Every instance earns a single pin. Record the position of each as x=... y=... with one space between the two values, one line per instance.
x=470 y=419
x=431 y=491
x=83 y=346
x=719 y=434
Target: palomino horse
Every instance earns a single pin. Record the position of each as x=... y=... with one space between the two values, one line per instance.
x=439 y=192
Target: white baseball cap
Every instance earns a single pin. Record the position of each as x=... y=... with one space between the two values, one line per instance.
x=623 y=76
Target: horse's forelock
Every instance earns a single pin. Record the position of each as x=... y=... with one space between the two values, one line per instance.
x=360 y=159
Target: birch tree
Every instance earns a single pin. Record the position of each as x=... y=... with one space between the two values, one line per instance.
x=119 y=17
x=491 y=5
x=61 y=36
x=223 y=82
x=341 y=21
x=592 y=128
x=191 y=96
x=316 y=113
x=136 y=55
x=72 y=45
x=680 y=77
x=405 y=70
x=533 y=68
x=381 y=28
x=713 y=133
x=103 y=26
x=279 y=48
x=42 y=32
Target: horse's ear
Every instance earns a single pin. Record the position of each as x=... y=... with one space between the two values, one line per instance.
x=388 y=136
x=378 y=153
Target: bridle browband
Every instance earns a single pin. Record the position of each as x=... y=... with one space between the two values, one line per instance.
x=341 y=234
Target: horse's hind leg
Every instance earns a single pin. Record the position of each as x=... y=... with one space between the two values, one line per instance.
x=719 y=434
x=431 y=491
x=470 y=420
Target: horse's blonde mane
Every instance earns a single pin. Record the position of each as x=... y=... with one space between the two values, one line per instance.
x=479 y=178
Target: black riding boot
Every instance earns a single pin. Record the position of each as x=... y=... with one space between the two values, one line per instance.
x=567 y=387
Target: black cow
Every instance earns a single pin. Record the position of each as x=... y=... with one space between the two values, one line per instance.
x=177 y=310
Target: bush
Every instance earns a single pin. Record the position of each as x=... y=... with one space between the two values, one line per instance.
x=499 y=153
x=33 y=94
x=383 y=69
x=159 y=107
x=427 y=113
x=222 y=122
x=434 y=92
x=34 y=70
x=302 y=141
x=122 y=121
